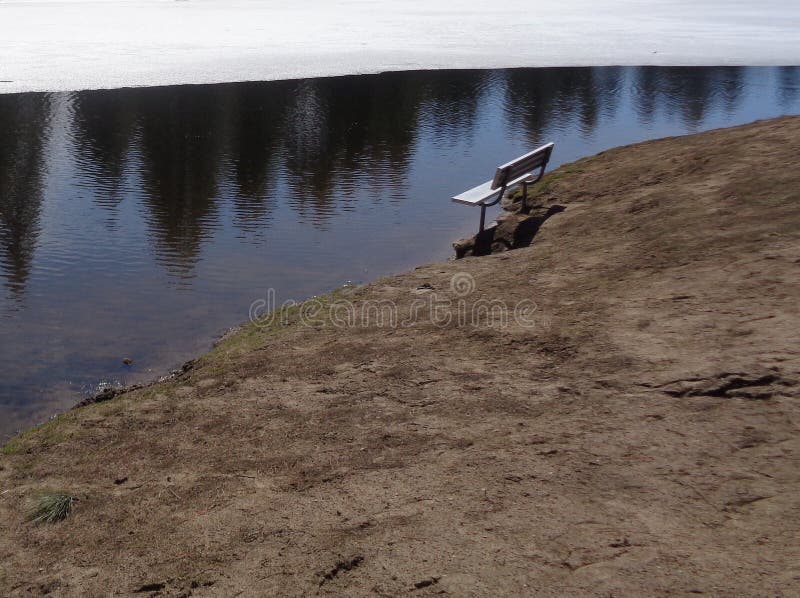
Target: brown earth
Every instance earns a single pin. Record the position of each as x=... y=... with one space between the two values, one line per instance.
x=635 y=434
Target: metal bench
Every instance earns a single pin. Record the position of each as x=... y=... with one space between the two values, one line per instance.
x=511 y=174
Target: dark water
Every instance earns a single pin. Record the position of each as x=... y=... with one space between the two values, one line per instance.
x=142 y=223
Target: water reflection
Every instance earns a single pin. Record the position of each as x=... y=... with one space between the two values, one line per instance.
x=257 y=127
x=788 y=86
x=181 y=143
x=103 y=129
x=341 y=135
x=23 y=134
x=451 y=104
x=146 y=220
x=546 y=101
x=687 y=93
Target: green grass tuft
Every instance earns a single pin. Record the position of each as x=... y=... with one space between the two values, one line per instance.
x=51 y=433
x=12 y=447
x=51 y=507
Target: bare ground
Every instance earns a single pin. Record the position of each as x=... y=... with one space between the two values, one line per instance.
x=637 y=435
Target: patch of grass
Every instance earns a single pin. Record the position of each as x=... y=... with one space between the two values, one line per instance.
x=112 y=407
x=12 y=447
x=545 y=186
x=51 y=507
x=251 y=336
x=554 y=177
x=50 y=433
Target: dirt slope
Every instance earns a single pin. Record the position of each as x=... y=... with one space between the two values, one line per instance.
x=634 y=434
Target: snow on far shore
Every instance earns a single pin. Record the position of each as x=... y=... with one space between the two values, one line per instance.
x=49 y=45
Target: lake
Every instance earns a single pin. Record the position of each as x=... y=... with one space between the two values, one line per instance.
x=142 y=223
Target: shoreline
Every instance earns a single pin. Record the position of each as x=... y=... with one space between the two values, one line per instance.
x=503 y=66
x=649 y=384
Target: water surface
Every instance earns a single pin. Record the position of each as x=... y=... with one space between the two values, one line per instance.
x=141 y=223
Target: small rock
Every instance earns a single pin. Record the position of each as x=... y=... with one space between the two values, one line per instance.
x=426 y=582
x=127 y=361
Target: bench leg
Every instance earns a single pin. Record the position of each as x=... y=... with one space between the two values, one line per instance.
x=483 y=218
x=524 y=206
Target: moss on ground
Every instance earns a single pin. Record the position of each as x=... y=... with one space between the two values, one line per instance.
x=251 y=336
x=51 y=433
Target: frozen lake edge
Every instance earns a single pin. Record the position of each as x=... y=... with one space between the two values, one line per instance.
x=67 y=45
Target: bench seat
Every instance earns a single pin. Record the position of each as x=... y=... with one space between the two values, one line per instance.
x=477 y=195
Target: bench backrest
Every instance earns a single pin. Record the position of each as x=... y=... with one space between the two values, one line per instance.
x=526 y=164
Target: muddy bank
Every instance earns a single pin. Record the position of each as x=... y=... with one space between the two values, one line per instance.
x=611 y=410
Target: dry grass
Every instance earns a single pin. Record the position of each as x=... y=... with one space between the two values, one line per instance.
x=50 y=507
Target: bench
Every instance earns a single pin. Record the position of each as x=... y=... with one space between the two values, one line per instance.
x=511 y=174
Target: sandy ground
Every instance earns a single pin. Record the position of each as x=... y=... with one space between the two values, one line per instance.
x=633 y=433
x=50 y=45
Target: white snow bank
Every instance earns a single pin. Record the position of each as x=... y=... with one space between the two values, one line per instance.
x=70 y=45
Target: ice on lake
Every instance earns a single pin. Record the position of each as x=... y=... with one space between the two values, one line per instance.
x=70 y=45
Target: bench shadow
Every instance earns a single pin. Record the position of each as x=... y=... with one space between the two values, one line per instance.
x=527 y=229
x=515 y=231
